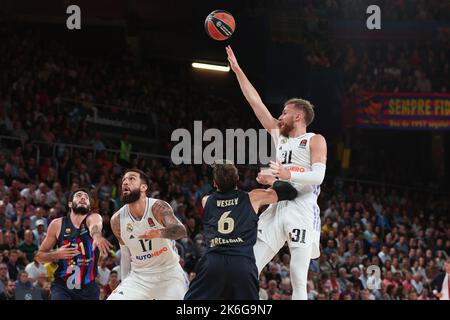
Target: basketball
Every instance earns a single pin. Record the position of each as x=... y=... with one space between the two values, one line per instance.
x=220 y=25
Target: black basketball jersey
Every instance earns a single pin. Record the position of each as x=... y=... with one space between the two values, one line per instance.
x=81 y=270
x=230 y=223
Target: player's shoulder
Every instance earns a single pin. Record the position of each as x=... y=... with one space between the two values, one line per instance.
x=55 y=225
x=92 y=216
x=116 y=216
x=317 y=137
x=56 y=222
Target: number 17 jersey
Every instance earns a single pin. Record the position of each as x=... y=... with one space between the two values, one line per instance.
x=149 y=256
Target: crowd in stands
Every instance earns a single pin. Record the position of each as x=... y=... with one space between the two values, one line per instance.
x=404 y=233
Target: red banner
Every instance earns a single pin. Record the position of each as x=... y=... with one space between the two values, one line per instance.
x=411 y=111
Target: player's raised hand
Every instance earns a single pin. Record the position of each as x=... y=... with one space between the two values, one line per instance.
x=150 y=234
x=232 y=59
x=279 y=171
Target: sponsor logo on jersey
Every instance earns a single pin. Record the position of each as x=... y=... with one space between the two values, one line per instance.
x=152 y=254
x=303 y=144
x=129 y=227
x=151 y=222
x=68 y=231
x=296 y=169
x=83 y=229
x=283 y=141
x=219 y=241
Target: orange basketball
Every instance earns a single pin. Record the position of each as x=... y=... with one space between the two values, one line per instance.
x=219 y=25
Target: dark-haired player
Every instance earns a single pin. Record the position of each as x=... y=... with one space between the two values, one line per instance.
x=147 y=229
x=79 y=239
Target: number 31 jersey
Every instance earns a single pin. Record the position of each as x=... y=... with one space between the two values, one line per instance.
x=295 y=155
x=149 y=256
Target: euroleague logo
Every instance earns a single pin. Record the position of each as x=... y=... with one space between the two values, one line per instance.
x=303 y=144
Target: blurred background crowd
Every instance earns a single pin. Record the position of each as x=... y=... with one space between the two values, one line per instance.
x=70 y=120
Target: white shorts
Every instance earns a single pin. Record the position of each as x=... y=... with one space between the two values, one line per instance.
x=296 y=221
x=167 y=285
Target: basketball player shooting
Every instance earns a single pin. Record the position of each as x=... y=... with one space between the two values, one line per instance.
x=301 y=160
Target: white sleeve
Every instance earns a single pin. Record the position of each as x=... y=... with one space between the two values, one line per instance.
x=315 y=176
x=125 y=262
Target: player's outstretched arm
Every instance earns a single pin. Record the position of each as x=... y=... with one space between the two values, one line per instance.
x=45 y=253
x=163 y=213
x=280 y=191
x=95 y=225
x=262 y=113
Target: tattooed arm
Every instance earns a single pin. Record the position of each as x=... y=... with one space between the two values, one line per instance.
x=95 y=226
x=163 y=213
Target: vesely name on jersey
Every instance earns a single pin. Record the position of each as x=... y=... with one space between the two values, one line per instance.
x=152 y=254
x=219 y=241
x=227 y=203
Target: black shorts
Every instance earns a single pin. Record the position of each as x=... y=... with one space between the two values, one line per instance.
x=59 y=291
x=224 y=277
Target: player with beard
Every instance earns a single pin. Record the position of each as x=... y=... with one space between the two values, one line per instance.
x=147 y=229
x=79 y=239
x=301 y=160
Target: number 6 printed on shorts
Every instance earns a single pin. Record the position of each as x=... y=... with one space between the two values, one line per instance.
x=298 y=235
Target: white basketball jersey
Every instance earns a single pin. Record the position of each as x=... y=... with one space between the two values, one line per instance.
x=295 y=155
x=155 y=255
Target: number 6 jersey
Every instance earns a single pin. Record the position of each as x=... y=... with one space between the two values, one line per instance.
x=230 y=223
x=149 y=256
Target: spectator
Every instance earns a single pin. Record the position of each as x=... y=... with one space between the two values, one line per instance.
x=39 y=215
x=43 y=285
x=28 y=246
x=355 y=278
x=10 y=291
x=417 y=284
x=13 y=266
x=272 y=290
x=3 y=277
x=384 y=254
x=274 y=273
x=34 y=269
x=103 y=271
x=39 y=233
x=112 y=284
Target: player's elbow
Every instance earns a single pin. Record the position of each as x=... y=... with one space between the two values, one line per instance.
x=182 y=233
